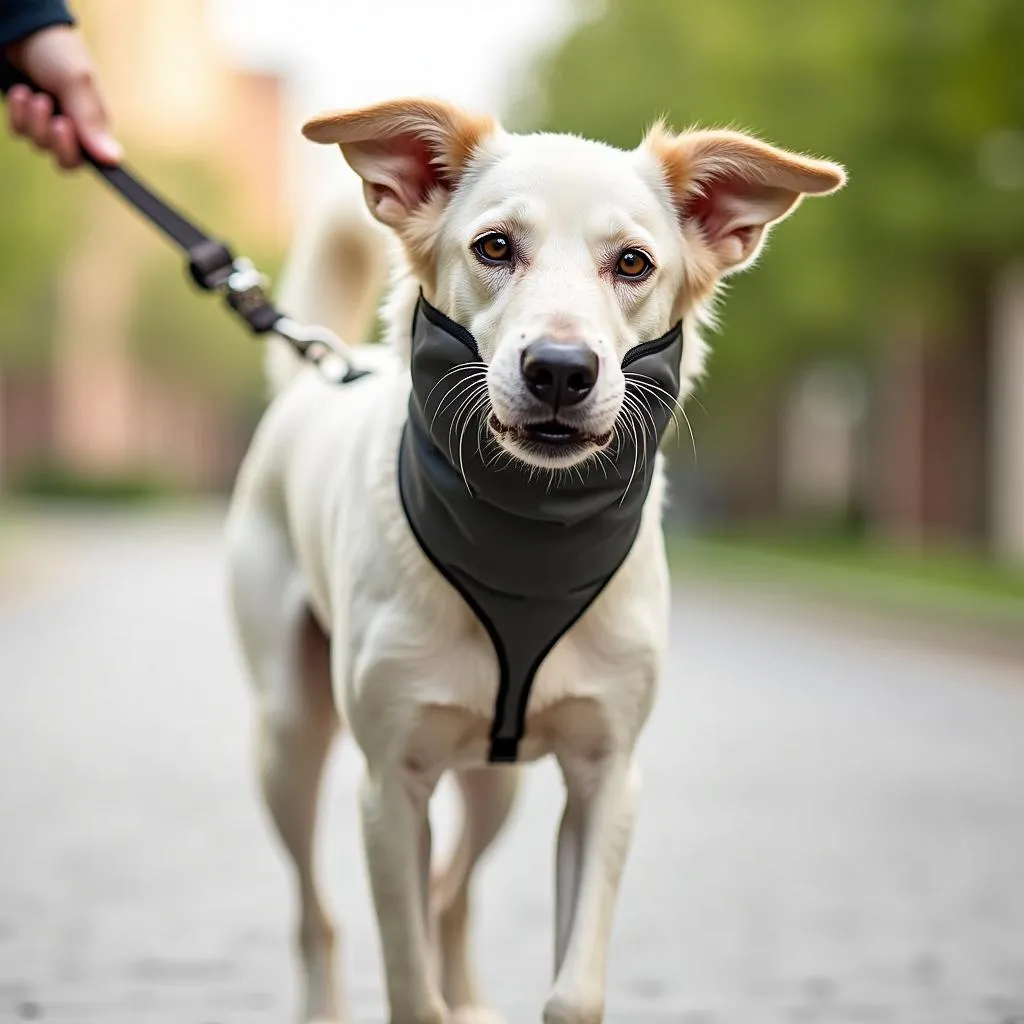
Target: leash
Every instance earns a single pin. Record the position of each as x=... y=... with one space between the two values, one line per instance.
x=215 y=268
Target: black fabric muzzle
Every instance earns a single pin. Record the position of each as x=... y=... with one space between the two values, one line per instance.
x=528 y=549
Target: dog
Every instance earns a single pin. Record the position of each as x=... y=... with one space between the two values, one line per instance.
x=342 y=617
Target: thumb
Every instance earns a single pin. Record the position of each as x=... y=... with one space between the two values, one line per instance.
x=80 y=98
x=59 y=62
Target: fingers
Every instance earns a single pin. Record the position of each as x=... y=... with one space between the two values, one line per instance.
x=40 y=120
x=58 y=60
x=31 y=115
x=18 y=100
x=65 y=144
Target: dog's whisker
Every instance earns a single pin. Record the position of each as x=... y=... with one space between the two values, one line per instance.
x=463 y=405
x=645 y=413
x=646 y=437
x=466 y=369
x=627 y=422
x=686 y=420
x=467 y=397
x=483 y=433
x=469 y=407
x=702 y=406
x=653 y=388
x=639 y=410
x=655 y=392
x=670 y=403
x=457 y=390
x=601 y=457
x=693 y=440
x=482 y=403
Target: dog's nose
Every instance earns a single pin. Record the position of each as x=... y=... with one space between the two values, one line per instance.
x=559 y=373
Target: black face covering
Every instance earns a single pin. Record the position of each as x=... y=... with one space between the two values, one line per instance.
x=528 y=549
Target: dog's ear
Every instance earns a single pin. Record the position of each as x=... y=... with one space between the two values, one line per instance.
x=406 y=151
x=732 y=187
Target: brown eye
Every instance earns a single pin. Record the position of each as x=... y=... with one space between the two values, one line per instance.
x=493 y=248
x=634 y=265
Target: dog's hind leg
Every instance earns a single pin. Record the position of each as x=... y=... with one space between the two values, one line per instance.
x=487 y=795
x=287 y=655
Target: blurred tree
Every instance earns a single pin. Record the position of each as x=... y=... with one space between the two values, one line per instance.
x=177 y=328
x=923 y=100
x=35 y=223
x=181 y=331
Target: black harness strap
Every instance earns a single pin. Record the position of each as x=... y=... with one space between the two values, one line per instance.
x=212 y=264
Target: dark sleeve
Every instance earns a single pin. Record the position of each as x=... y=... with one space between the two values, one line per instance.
x=20 y=18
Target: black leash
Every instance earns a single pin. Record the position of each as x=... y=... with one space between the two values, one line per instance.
x=215 y=268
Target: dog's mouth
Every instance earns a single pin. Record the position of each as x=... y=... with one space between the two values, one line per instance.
x=549 y=434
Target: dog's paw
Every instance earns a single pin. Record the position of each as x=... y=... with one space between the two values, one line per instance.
x=476 y=1015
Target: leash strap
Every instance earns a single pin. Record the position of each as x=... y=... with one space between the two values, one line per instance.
x=215 y=268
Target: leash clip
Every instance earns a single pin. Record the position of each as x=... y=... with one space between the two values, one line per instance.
x=245 y=291
x=321 y=347
x=215 y=268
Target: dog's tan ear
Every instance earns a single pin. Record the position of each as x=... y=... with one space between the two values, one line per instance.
x=404 y=150
x=733 y=186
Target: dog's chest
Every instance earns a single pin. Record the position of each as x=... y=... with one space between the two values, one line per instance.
x=428 y=680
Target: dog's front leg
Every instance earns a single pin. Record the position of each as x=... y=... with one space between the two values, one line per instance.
x=396 y=833
x=593 y=840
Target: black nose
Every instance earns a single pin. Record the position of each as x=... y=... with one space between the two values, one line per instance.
x=559 y=373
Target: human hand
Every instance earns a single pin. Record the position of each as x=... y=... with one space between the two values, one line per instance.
x=57 y=60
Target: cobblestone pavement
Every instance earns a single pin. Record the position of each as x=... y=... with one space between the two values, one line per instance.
x=832 y=827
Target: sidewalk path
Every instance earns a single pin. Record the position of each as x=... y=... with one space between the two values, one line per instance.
x=832 y=827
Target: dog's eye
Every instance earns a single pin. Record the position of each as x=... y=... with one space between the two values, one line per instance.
x=493 y=248
x=634 y=264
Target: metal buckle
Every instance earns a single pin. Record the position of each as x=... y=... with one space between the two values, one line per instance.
x=317 y=345
x=246 y=285
x=321 y=347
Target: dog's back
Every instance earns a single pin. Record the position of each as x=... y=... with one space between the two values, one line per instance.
x=334 y=275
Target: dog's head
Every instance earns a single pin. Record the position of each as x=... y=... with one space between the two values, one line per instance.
x=560 y=254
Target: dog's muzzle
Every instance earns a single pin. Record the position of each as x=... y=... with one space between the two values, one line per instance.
x=528 y=550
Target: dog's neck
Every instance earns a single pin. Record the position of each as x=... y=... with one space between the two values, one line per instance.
x=398 y=309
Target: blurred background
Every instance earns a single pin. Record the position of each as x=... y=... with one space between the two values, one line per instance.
x=847 y=537
x=864 y=389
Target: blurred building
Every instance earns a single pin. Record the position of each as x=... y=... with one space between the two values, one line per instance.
x=935 y=453
x=176 y=99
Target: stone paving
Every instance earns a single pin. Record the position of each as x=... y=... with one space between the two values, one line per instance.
x=832 y=827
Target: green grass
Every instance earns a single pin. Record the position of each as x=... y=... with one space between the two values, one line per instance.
x=962 y=583
x=12 y=533
x=59 y=483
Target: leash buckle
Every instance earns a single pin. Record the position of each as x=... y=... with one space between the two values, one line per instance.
x=245 y=285
x=244 y=288
x=245 y=291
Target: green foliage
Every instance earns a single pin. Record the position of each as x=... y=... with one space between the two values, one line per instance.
x=180 y=330
x=956 y=576
x=55 y=481
x=922 y=100
x=36 y=219
x=176 y=329
x=188 y=334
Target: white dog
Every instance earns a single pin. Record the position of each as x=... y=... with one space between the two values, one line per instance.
x=342 y=616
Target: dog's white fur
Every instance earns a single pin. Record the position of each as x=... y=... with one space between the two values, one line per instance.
x=319 y=546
